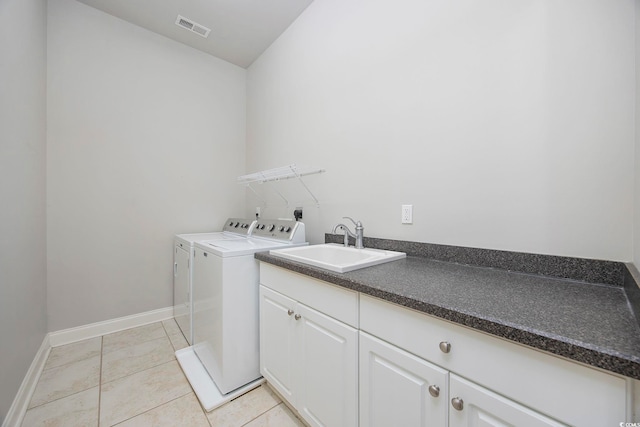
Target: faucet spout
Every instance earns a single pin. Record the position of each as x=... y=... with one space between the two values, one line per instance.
x=347 y=233
x=359 y=234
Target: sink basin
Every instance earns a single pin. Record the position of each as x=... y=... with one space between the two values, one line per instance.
x=338 y=258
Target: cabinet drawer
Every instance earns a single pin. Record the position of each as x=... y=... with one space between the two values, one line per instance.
x=567 y=391
x=334 y=301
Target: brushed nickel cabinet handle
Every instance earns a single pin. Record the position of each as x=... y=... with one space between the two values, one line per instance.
x=445 y=347
x=434 y=390
x=457 y=403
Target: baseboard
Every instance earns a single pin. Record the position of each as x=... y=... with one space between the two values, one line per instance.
x=67 y=336
x=23 y=397
x=92 y=330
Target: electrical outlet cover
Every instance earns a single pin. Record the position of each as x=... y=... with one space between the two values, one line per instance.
x=407 y=214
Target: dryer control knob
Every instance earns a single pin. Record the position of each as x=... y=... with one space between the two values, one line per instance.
x=271 y=227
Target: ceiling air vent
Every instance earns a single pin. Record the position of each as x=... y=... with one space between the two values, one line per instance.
x=192 y=26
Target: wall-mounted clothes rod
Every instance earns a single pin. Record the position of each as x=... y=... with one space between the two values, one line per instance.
x=277 y=174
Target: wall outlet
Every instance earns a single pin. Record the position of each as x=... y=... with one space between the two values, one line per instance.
x=407 y=214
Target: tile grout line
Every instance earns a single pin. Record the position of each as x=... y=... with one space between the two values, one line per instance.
x=286 y=405
x=190 y=386
x=143 y=370
x=149 y=410
x=145 y=339
x=59 y=398
x=158 y=363
x=138 y=343
x=133 y=373
x=206 y=417
x=62 y=397
x=168 y=337
x=261 y=414
x=73 y=361
x=101 y=382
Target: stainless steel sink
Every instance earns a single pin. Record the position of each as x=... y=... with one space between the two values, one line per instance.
x=338 y=258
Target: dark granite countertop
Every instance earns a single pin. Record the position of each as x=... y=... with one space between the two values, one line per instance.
x=587 y=322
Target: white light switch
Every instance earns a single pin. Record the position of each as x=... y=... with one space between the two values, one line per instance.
x=407 y=214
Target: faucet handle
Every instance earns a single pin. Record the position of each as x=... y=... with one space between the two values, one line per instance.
x=357 y=224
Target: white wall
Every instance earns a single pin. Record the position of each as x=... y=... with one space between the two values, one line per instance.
x=507 y=125
x=145 y=140
x=22 y=190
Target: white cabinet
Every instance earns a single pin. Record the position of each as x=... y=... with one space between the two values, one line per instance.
x=403 y=355
x=277 y=336
x=472 y=405
x=181 y=290
x=562 y=390
x=327 y=374
x=309 y=346
x=398 y=388
x=310 y=359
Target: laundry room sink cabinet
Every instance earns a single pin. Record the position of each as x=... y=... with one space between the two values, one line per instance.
x=343 y=358
x=309 y=346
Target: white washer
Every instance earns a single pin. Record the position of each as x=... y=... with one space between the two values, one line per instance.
x=224 y=359
x=234 y=228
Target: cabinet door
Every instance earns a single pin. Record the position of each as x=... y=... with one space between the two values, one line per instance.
x=182 y=291
x=481 y=407
x=277 y=341
x=327 y=379
x=394 y=387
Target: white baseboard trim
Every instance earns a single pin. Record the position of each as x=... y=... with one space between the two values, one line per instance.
x=23 y=397
x=67 y=336
x=92 y=330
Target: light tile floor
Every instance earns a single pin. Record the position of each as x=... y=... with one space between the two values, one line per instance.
x=132 y=379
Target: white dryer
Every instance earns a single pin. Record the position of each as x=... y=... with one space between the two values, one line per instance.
x=234 y=228
x=224 y=359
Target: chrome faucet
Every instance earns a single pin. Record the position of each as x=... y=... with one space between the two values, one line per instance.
x=359 y=234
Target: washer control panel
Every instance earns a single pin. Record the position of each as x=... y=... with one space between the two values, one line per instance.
x=280 y=229
x=240 y=226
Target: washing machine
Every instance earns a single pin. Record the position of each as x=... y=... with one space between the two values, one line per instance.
x=233 y=229
x=224 y=359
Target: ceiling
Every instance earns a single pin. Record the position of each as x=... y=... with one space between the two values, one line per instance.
x=240 y=29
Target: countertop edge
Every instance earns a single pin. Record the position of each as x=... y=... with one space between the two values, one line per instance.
x=608 y=360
